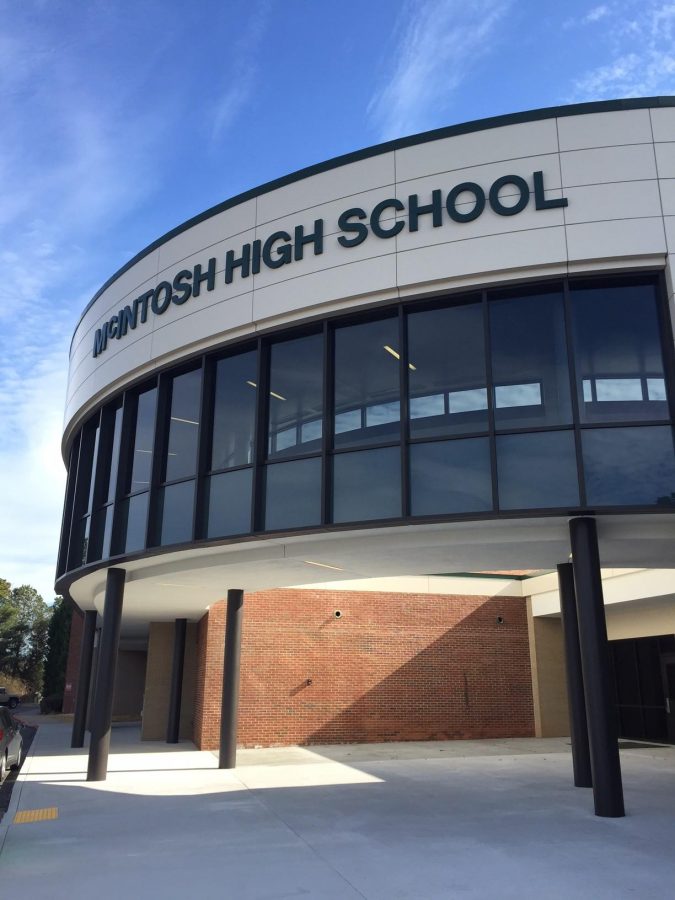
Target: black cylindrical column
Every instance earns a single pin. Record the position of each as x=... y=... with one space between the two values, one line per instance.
x=227 y=757
x=581 y=758
x=600 y=714
x=84 y=678
x=101 y=719
x=173 y=726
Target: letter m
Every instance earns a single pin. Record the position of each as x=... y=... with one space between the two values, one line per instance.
x=101 y=339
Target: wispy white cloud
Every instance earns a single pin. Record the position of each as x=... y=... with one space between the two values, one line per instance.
x=72 y=163
x=242 y=72
x=437 y=45
x=594 y=15
x=638 y=46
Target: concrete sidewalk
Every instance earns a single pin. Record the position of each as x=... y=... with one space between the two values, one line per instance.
x=478 y=819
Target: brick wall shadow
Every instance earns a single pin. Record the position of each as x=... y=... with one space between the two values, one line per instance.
x=391 y=667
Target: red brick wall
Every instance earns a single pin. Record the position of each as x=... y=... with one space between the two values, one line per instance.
x=393 y=667
x=73 y=664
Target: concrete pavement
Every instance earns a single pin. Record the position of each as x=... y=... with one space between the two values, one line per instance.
x=469 y=819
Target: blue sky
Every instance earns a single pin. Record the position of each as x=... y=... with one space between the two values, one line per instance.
x=121 y=120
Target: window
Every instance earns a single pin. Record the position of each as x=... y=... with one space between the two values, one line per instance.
x=446 y=371
x=617 y=348
x=529 y=360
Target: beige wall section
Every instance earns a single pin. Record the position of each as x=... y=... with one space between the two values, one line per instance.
x=129 y=680
x=549 y=691
x=642 y=618
x=158 y=682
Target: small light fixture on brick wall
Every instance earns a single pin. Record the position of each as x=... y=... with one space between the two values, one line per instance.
x=337 y=614
x=501 y=620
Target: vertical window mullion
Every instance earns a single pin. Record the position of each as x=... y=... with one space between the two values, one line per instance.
x=490 y=399
x=576 y=418
x=404 y=408
x=327 y=426
x=260 y=439
x=204 y=440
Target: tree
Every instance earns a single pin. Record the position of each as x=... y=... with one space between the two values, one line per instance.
x=24 y=619
x=58 y=639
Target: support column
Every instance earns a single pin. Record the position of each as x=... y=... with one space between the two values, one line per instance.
x=600 y=714
x=173 y=726
x=99 y=746
x=581 y=759
x=227 y=756
x=84 y=678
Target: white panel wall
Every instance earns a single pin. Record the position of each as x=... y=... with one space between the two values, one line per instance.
x=617 y=170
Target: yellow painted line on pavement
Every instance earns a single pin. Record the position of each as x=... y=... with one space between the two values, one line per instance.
x=36 y=815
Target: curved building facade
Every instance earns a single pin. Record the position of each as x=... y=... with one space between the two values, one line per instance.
x=424 y=357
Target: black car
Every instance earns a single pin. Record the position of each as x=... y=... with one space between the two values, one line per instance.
x=11 y=743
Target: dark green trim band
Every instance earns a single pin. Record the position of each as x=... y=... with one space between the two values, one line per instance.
x=551 y=112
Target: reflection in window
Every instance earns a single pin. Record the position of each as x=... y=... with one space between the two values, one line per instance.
x=175 y=504
x=529 y=361
x=228 y=508
x=450 y=477
x=618 y=353
x=296 y=396
x=447 y=385
x=535 y=471
x=293 y=494
x=181 y=456
x=510 y=395
x=141 y=467
x=234 y=411
x=134 y=520
x=629 y=466
x=367 y=379
x=367 y=485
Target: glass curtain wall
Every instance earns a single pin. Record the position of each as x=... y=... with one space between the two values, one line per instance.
x=553 y=399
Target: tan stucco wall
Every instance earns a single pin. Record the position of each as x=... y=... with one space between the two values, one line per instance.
x=627 y=620
x=158 y=682
x=547 y=657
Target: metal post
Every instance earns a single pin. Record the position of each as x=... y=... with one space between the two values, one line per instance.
x=84 y=678
x=99 y=745
x=600 y=714
x=227 y=756
x=173 y=726
x=581 y=758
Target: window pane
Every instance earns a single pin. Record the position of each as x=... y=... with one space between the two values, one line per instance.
x=175 y=509
x=293 y=494
x=449 y=477
x=296 y=397
x=234 y=411
x=535 y=471
x=229 y=503
x=79 y=543
x=367 y=485
x=367 y=373
x=134 y=516
x=618 y=353
x=86 y=468
x=101 y=530
x=109 y=493
x=446 y=374
x=141 y=466
x=629 y=466
x=181 y=459
x=529 y=361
